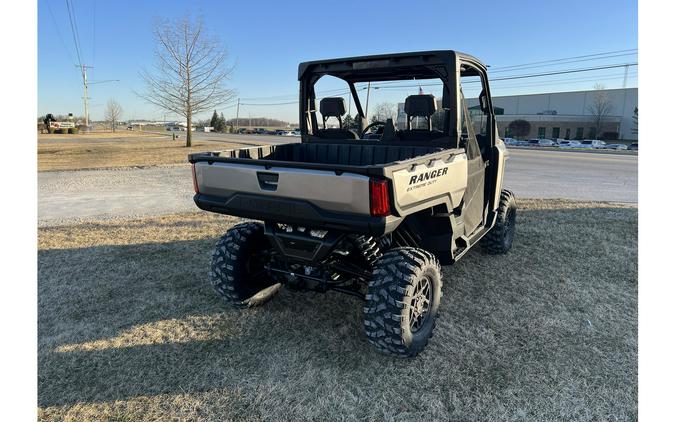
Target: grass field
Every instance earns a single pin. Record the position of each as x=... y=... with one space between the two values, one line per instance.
x=118 y=149
x=129 y=329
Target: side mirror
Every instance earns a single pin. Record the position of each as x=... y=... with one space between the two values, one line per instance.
x=483 y=102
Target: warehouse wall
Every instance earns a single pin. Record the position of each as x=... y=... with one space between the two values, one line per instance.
x=570 y=104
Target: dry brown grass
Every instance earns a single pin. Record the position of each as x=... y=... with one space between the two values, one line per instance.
x=129 y=329
x=119 y=149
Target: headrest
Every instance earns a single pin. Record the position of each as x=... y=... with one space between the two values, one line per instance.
x=332 y=107
x=423 y=105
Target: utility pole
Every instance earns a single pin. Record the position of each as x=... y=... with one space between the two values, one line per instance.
x=84 y=68
x=367 y=100
x=625 y=77
x=237 y=120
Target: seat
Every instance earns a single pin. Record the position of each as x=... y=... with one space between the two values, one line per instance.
x=333 y=107
x=422 y=105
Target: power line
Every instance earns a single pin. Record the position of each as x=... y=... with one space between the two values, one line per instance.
x=58 y=32
x=230 y=106
x=389 y=84
x=269 y=104
x=506 y=78
x=549 y=83
x=562 y=72
x=77 y=29
x=73 y=29
x=93 y=42
x=333 y=93
x=560 y=63
x=566 y=58
x=281 y=97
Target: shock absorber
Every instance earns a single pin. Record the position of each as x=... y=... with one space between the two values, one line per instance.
x=368 y=248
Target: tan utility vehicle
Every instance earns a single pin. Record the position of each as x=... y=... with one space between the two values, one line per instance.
x=371 y=212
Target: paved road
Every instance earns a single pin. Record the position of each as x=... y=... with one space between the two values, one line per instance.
x=572 y=175
x=245 y=139
x=90 y=194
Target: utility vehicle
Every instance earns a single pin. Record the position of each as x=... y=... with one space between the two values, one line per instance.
x=374 y=218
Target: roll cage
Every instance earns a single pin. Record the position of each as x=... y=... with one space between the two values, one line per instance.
x=447 y=65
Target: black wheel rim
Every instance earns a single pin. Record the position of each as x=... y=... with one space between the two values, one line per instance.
x=418 y=311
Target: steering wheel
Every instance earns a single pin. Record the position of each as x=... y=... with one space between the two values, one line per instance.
x=370 y=126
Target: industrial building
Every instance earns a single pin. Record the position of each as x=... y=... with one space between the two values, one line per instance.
x=560 y=114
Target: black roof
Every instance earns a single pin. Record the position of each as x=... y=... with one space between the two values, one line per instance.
x=387 y=66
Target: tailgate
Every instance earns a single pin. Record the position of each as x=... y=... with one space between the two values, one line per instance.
x=290 y=189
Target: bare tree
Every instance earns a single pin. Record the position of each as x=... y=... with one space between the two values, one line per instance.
x=384 y=111
x=112 y=113
x=189 y=71
x=600 y=108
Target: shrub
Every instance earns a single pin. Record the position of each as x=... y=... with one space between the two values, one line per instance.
x=519 y=128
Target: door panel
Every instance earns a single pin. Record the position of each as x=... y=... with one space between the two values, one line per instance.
x=474 y=197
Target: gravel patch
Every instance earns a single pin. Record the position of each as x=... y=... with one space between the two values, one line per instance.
x=79 y=196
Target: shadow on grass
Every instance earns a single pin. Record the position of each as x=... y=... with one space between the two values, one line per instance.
x=549 y=329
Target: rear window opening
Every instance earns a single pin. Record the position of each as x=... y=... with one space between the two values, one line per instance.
x=397 y=110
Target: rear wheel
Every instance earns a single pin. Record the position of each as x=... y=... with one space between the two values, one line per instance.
x=500 y=238
x=238 y=271
x=402 y=301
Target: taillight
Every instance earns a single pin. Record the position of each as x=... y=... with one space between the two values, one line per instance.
x=194 y=179
x=379 y=198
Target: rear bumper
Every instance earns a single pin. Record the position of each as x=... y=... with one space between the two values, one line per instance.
x=298 y=212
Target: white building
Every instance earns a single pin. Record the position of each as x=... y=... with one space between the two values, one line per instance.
x=562 y=114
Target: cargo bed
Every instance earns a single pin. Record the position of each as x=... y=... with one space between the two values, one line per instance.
x=344 y=155
x=325 y=185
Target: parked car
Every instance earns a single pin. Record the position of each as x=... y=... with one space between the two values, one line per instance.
x=633 y=146
x=569 y=144
x=547 y=143
x=592 y=144
x=511 y=141
x=617 y=147
x=279 y=132
x=541 y=143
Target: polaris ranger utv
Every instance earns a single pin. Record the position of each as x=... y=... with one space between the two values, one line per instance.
x=372 y=212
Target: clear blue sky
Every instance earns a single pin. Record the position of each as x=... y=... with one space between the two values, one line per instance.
x=267 y=40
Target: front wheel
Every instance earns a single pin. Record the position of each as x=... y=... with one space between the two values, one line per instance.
x=500 y=238
x=402 y=301
x=238 y=272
